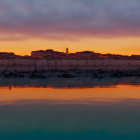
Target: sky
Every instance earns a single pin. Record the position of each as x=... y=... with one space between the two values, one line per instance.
x=104 y=26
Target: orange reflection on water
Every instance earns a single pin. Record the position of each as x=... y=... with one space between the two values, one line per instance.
x=120 y=92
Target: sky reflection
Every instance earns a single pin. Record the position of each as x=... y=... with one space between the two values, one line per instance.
x=70 y=95
x=76 y=113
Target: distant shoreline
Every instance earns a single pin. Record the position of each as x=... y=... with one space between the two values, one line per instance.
x=14 y=66
x=51 y=54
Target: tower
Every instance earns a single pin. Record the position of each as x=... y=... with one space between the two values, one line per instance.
x=67 y=51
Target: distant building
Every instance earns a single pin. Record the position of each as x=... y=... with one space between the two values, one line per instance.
x=67 y=51
x=85 y=54
x=47 y=54
x=137 y=57
x=6 y=55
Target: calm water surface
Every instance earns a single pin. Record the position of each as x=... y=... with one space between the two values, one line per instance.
x=110 y=113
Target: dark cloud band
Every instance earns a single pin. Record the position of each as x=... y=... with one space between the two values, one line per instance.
x=69 y=18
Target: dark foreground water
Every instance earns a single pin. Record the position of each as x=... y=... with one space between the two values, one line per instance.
x=99 y=113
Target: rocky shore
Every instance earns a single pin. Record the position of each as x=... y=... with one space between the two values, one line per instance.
x=68 y=68
x=45 y=65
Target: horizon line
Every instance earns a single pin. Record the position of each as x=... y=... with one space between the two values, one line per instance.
x=68 y=53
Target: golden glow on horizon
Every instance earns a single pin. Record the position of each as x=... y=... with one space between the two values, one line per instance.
x=125 y=46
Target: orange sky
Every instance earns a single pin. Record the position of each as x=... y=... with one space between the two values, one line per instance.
x=126 y=46
x=108 y=26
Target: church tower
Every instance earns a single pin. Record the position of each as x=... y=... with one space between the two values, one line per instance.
x=67 y=51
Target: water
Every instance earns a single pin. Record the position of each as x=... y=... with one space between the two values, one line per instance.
x=37 y=113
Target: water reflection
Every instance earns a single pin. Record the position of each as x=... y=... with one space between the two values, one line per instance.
x=71 y=95
x=68 y=82
x=70 y=113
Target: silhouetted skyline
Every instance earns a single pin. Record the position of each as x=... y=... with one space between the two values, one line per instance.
x=50 y=53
